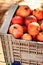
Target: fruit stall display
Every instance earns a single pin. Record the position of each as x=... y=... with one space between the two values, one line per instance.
x=24 y=39
x=25 y=24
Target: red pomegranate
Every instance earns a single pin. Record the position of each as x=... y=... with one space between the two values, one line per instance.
x=33 y=28
x=38 y=13
x=40 y=37
x=23 y=11
x=26 y=36
x=30 y=19
x=16 y=30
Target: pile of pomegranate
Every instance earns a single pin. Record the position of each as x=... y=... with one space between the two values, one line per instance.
x=27 y=24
